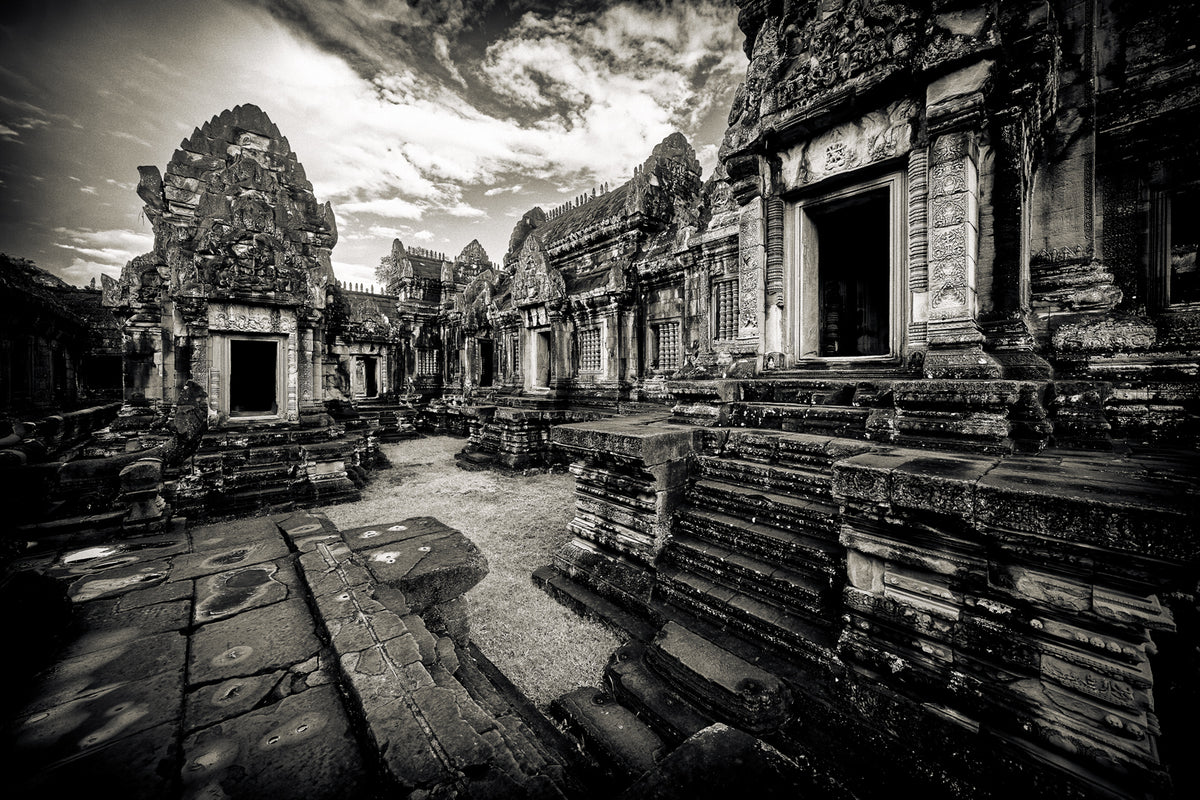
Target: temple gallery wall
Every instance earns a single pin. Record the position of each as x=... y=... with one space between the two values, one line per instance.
x=894 y=415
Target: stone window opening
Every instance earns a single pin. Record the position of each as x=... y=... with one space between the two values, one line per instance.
x=589 y=350
x=848 y=265
x=427 y=363
x=725 y=322
x=666 y=346
x=253 y=364
x=1175 y=246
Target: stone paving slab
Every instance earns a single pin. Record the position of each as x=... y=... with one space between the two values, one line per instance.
x=101 y=557
x=137 y=767
x=96 y=718
x=301 y=747
x=259 y=639
x=368 y=537
x=228 y=556
x=221 y=535
x=96 y=669
x=207 y=666
x=119 y=580
x=107 y=615
x=228 y=593
x=429 y=569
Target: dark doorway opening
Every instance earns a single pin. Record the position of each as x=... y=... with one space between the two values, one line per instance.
x=370 y=376
x=486 y=361
x=542 y=373
x=854 y=265
x=252 y=373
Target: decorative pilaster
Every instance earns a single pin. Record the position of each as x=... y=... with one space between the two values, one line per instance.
x=954 y=337
x=751 y=256
x=918 y=247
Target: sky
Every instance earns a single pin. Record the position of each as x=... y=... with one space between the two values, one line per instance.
x=432 y=121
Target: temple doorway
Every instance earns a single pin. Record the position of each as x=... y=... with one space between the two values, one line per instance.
x=486 y=361
x=541 y=373
x=252 y=375
x=370 y=369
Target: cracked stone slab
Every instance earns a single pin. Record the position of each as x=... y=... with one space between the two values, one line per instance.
x=369 y=537
x=95 y=719
x=227 y=593
x=153 y=595
x=222 y=535
x=107 y=615
x=301 y=747
x=253 y=641
x=138 y=767
x=220 y=701
x=228 y=556
x=125 y=656
x=429 y=569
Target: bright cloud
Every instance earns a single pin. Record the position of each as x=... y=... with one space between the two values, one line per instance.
x=415 y=120
x=104 y=251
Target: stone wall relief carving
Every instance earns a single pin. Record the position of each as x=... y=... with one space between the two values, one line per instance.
x=242 y=318
x=872 y=138
x=750 y=267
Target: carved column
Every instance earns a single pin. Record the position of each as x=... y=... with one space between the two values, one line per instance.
x=751 y=255
x=304 y=357
x=954 y=337
x=773 y=280
x=918 y=247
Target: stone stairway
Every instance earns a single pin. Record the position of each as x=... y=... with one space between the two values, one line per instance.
x=755 y=546
x=394 y=422
x=240 y=471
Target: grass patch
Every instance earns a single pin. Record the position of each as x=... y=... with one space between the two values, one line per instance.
x=518 y=522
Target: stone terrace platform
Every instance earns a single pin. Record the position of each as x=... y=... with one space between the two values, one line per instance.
x=268 y=657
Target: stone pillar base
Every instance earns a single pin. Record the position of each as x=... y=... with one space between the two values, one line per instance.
x=962 y=364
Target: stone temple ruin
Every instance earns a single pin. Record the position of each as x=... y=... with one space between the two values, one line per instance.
x=884 y=435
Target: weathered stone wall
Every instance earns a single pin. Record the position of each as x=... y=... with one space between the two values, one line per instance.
x=971 y=624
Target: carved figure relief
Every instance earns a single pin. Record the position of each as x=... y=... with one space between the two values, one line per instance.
x=750 y=247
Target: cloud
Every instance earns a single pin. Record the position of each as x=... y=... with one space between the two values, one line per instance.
x=95 y=251
x=130 y=137
x=88 y=189
x=389 y=208
x=566 y=91
x=111 y=248
x=9 y=134
x=503 y=190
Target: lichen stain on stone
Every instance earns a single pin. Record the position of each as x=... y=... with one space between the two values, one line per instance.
x=229 y=557
x=235 y=653
x=235 y=590
x=294 y=730
x=121 y=717
x=87 y=589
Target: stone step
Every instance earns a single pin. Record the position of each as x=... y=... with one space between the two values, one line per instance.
x=538 y=755
x=587 y=603
x=785 y=448
x=759 y=506
x=784 y=480
x=639 y=689
x=522 y=723
x=798 y=592
x=717 y=681
x=746 y=615
x=799 y=547
x=832 y=420
x=623 y=745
